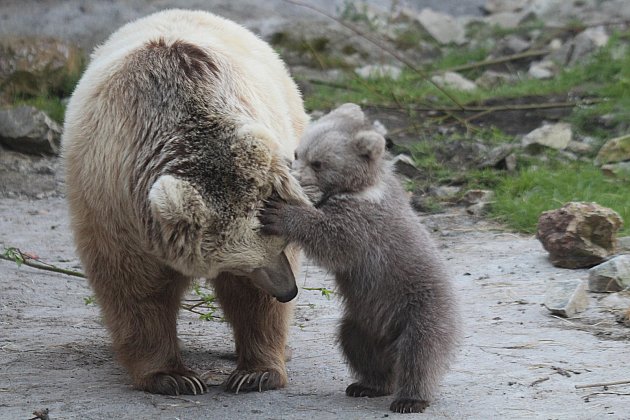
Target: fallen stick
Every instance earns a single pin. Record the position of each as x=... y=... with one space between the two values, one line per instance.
x=602 y=384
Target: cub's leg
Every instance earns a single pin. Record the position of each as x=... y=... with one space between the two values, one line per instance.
x=260 y=325
x=139 y=305
x=419 y=366
x=370 y=359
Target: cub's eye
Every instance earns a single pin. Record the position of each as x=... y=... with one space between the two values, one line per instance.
x=295 y=155
x=316 y=164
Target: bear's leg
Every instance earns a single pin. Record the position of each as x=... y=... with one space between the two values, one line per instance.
x=369 y=358
x=141 y=316
x=260 y=326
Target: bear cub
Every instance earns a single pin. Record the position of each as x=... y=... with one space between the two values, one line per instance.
x=400 y=324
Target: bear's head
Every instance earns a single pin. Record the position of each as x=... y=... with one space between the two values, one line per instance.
x=339 y=153
x=205 y=222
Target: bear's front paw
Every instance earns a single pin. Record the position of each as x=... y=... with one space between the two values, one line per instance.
x=247 y=381
x=408 y=405
x=272 y=217
x=174 y=383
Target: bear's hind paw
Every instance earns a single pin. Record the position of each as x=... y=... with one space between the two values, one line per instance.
x=247 y=381
x=175 y=383
x=358 y=390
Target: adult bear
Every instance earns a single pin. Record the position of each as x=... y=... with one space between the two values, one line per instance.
x=180 y=128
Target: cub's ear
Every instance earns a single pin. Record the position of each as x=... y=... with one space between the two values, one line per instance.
x=175 y=200
x=349 y=115
x=369 y=144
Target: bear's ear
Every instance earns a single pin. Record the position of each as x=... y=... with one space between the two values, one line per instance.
x=369 y=144
x=175 y=200
x=285 y=184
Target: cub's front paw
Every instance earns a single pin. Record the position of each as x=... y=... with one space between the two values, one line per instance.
x=185 y=382
x=358 y=390
x=247 y=381
x=273 y=218
x=408 y=405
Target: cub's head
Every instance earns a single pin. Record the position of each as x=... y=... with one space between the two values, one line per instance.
x=339 y=153
x=204 y=215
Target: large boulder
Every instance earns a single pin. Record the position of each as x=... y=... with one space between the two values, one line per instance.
x=35 y=66
x=579 y=234
x=29 y=130
x=556 y=136
x=614 y=150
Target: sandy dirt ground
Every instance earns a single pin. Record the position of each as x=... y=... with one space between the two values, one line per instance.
x=516 y=361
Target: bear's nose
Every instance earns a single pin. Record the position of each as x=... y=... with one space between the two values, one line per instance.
x=287 y=297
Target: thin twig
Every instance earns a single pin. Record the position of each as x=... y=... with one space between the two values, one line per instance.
x=493 y=61
x=537 y=381
x=602 y=384
x=36 y=263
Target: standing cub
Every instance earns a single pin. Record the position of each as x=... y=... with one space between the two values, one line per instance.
x=399 y=326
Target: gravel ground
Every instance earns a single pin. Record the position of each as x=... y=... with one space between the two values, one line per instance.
x=516 y=360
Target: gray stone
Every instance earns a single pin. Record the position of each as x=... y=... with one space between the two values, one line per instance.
x=566 y=297
x=579 y=235
x=477 y=196
x=29 y=130
x=611 y=276
x=444 y=28
x=556 y=136
x=497 y=6
x=506 y=20
x=587 y=42
x=513 y=44
x=496 y=158
x=444 y=192
x=379 y=70
x=616 y=301
x=542 y=70
x=623 y=244
x=617 y=170
x=579 y=147
x=453 y=80
x=404 y=165
x=614 y=150
x=491 y=79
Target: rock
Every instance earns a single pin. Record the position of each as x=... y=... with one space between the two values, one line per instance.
x=587 y=42
x=477 y=196
x=404 y=165
x=578 y=235
x=444 y=192
x=506 y=20
x=478 y=201
x=619 y=170
x=498 y=6
x=616 y=301
x=542 y=70
x=425 y=204
x=510 y=162
x=35 y=66
x=556 y=136
x=579 y=147
x=379 y=70
x=611 y=276
x=566 y=297
x=614 y=150
x=490 y=79
x=29 y=130
x=444 y=28
x=512 y=44
x=623 y=244
x=453 y=80
x=496 y=158
x=555 y=44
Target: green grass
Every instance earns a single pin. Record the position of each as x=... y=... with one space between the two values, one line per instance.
x=50 y=105
x=520 y=199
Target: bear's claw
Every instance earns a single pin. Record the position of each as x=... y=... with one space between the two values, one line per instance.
x=246 y=381
x=175 y=383
x=408 y=405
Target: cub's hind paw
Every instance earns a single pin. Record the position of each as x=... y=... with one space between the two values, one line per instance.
x=408 y=405
x=247 y=381
x=358 y=390
x=174 y=383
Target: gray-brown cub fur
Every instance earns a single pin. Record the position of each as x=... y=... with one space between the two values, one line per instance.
x=399 y=326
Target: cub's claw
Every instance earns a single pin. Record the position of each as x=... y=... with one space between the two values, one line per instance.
x=408 y=405
x=358 y=390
